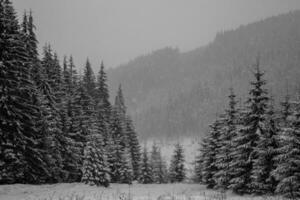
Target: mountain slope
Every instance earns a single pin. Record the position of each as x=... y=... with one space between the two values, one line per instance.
x=173 y=94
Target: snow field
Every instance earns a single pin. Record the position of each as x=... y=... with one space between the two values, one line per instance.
x=79 y=191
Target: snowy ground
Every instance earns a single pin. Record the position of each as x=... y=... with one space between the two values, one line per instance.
x=77 y=191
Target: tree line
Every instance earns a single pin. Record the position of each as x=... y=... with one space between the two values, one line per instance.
x=251 y=147
x=59 y=126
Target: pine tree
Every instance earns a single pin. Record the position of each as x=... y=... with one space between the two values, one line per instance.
x=155 y=160
x=103 y=106
x=51 y=129
x=253 y=127
x=22 y=155
x=120 y=103
x=146 y=171
x=287 y=171
x=33 y=51
x=102 y=94
x=209 y=152
x=224 y=155
x=134 y=147
x=158 y=166
x=81 y=117
x=177 y=170
x=120 y=162
x=262 y=178
x=89 y=79
x=95 y=167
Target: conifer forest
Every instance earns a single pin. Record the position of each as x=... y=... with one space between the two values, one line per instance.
x=218 y=122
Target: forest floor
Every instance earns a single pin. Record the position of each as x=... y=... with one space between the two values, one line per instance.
x=78 y=191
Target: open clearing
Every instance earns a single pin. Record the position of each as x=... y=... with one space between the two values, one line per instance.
x=78 y=191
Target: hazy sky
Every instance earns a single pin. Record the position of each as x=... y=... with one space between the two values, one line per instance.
x=119 y=30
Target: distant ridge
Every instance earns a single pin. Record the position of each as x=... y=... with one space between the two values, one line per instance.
x=174 y=94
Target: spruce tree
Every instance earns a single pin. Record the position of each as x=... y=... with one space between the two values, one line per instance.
x=134 y=147
x=103 y=106
x=89 y=79
x=95 y=167
x=120 y=161
x=33 y=51
x=22 y=154
x=287 y=171
x=146 y=171
x=263 y=180
x=158 y=166
x=155 y=160
x=177 y=171
x=253 y=127
x=102 y=94
x=209 y=152
x=120 y=103
x=224 y=154
x=81 y=119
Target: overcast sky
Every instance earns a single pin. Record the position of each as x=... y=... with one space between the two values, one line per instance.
x=119 y=30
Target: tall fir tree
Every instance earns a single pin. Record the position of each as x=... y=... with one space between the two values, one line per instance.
x=155 y=161
x=22 y=154
x=209 y=152
x=89 y=79
x=263 y=180
x=226 y=148
x=120 y=161
x=95 y=167
x=287 y=171
x=120 y=103
x=145 y=176
x=103 y=106
x=177 y=171
x=158 y=166
x=253 y=127
x=81 y=122
x=133 y=146
x=102 y=93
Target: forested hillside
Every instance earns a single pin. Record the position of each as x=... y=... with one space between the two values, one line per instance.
x=171 y=93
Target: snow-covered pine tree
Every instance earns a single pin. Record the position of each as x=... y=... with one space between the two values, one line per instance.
x=263 y=180
x=288 y=159
x=119 y=161
x=286 y=111
x=89 y=79
x=145 y=176
x=102 y=94
x=177 y=171
x=120 y=103
x=228 y=133
x=103 y=106
x=155 y=161
x=73 y=76
x=126 y=175
x=51 y=129
x=22 y=156
x=95 y=170
x=158 y=166
x=51 y=87
x=254 y=126
x=51 y=68
x=31 y=47
x=209 y=152
x=82 y=109
x=134 y=147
